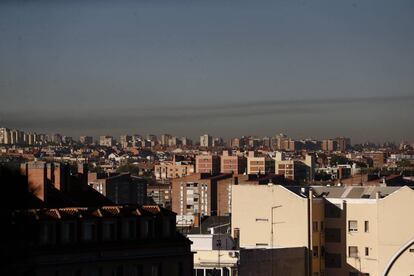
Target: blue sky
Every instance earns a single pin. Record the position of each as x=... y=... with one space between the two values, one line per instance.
x=307 y=68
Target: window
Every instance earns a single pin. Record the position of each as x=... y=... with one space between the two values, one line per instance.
x=322 y=226
x=366 y=226
x=151 y=229
x=333 y=260
x=109 y=231
x=139 y=270
x=95 y=271
x=366 y=251
x=352 y=251
x=332 y=234
x=118 y=271
x=352 y=226
x=213 y=272
x=78 y=272
x=315 y=251
x=89 y=231
x=46 y=233
x=156 y=270
x=166 y=230
x=144 y=229
x=178 y=270
x=315 y=226
x=68 y=232
x=129 y=229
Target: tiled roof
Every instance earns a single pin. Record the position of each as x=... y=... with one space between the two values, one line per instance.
x=88 y=212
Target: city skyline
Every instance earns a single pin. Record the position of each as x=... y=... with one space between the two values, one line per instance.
x=23 y=137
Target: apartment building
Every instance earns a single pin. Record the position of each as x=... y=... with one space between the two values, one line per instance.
x=3 y=135
x=206 y=141
x=173 y=169
x=125 y=141
x=122 y=188
x=369 y=230
x=259 y=164
x=329 y=145
x=185 y=141
x=235 y=164
x=126 y=189
x=108 y=240
x=53 y=223
x=200 y=195
x=343 y=143
x=347 y=230
x=106 y=141
x=174 y=142
x=294 y=170
x=86 y=140
x=272 y=216
x=17 y=137
x=286 y=168
x=207 y=163
x=236 y=143
x=165 y=138
x=159 y=194
x=378 y=158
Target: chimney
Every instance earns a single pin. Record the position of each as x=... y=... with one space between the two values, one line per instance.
x=65 y=177
x=36 y=173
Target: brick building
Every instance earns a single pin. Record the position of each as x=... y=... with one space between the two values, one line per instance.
x=173 y=169
x=207 y=163
x=260 y=164
x=200 y=195
x=233 y=163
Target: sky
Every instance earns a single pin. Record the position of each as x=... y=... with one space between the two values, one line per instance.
x=225 y=67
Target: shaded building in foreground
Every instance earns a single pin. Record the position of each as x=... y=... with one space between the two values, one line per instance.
x=54 y=223
x=109 y=240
